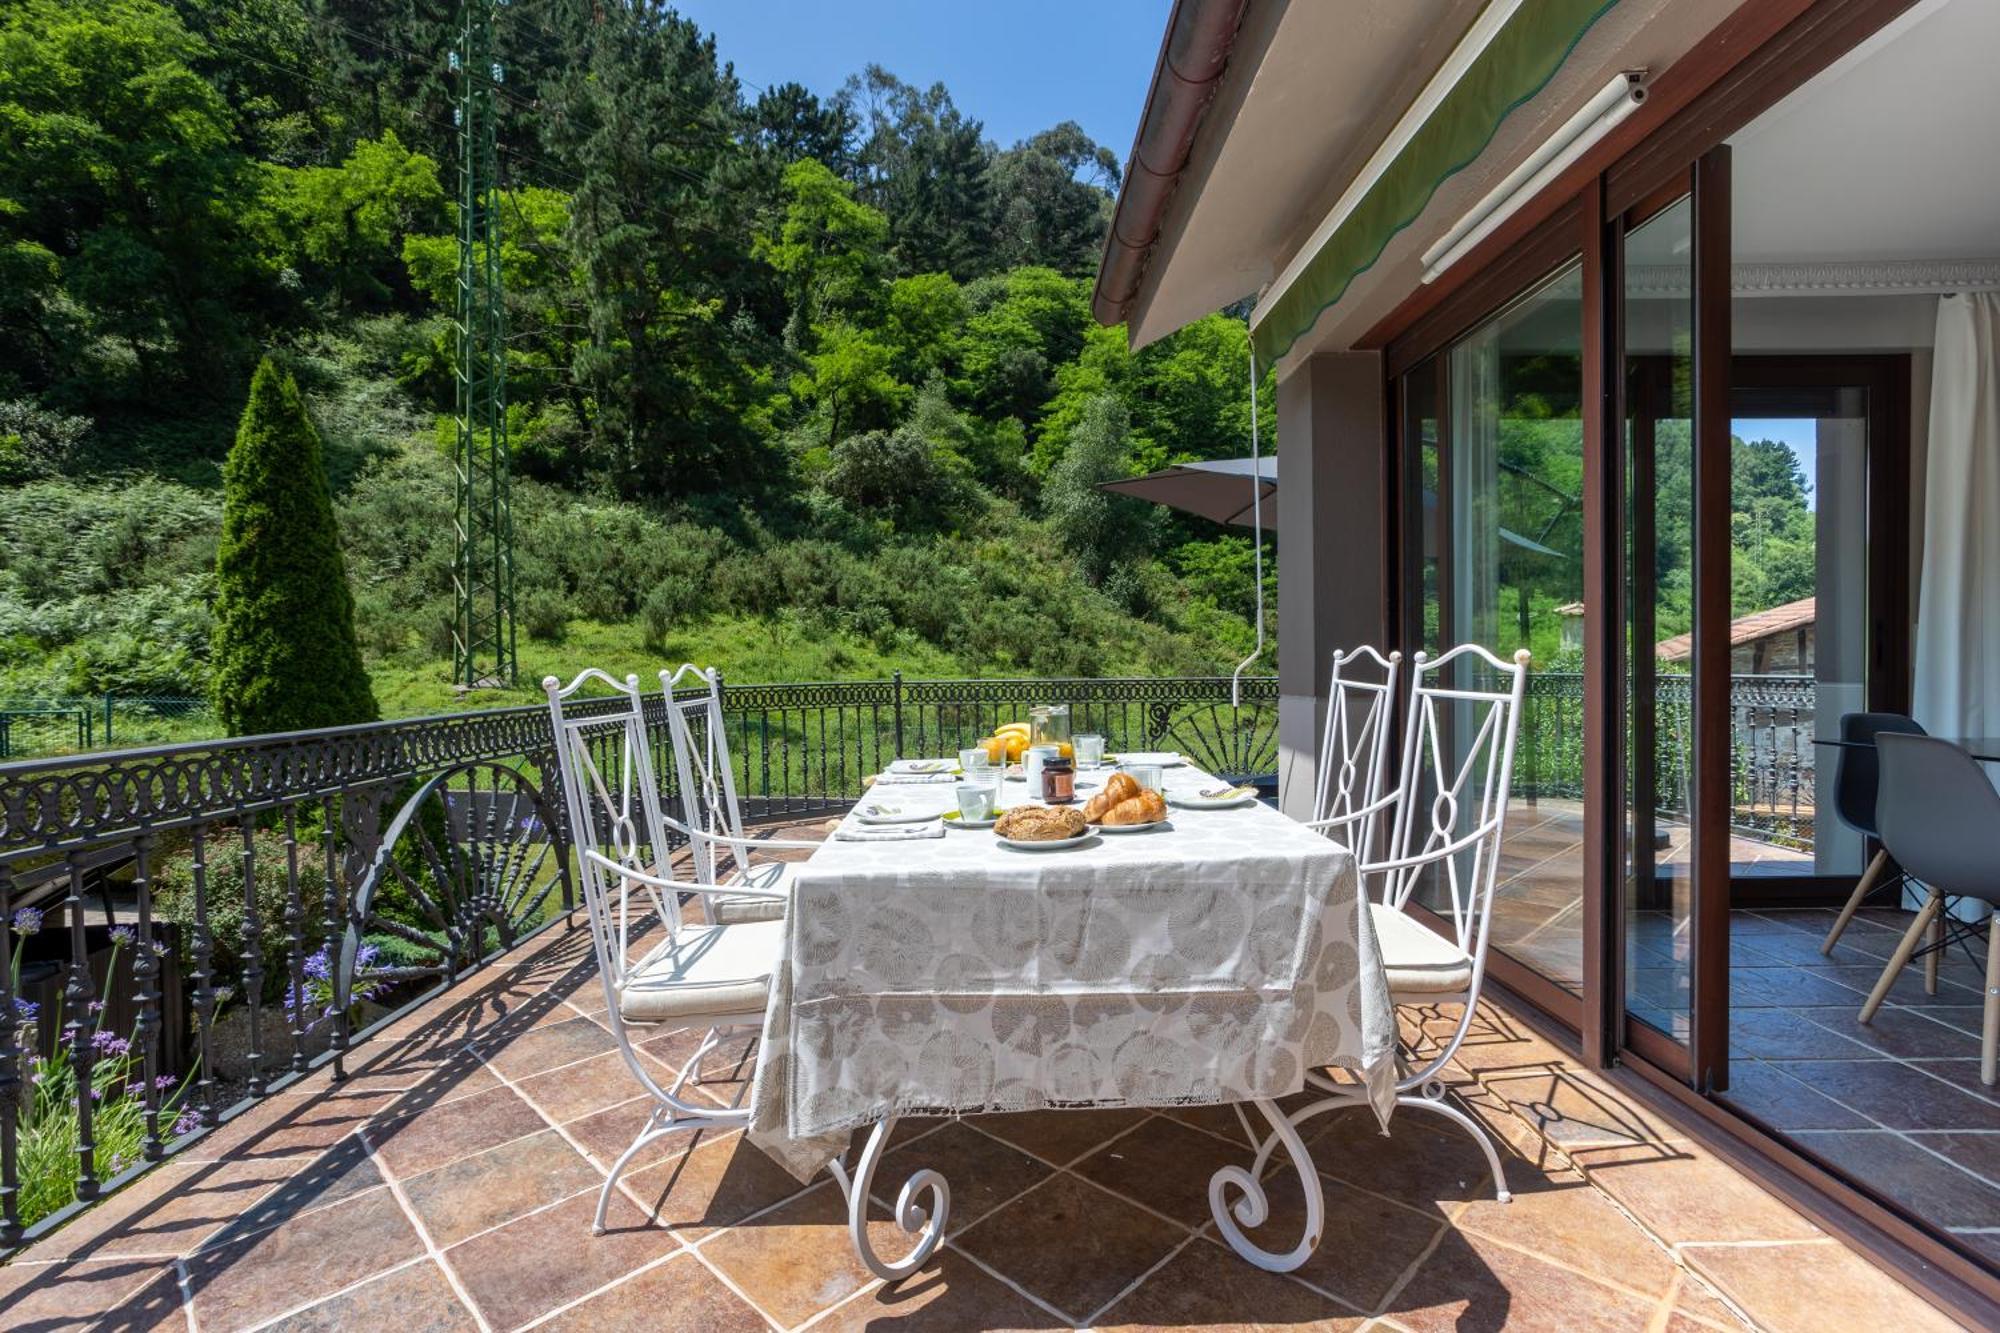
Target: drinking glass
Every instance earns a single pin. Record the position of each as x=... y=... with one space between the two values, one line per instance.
x=975 y=801
x=1146 y=775
x=975 y=760
x=1089 y=750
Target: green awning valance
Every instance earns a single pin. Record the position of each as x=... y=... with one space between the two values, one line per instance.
x=1517 y=64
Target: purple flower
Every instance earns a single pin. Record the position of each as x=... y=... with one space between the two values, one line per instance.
x=188 y=1123
x=109 y=1045
x=94 y=1007
x=122 y=935
x=25 y=1010
x=319 y=967
x=164 y=1083
x=27 y=921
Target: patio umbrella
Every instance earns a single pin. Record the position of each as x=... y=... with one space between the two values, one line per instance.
x=1220 y=490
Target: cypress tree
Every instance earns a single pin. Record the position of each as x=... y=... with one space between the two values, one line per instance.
x=284 y=656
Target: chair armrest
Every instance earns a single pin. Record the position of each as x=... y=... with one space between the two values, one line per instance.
x=780 y=844
x=626 y=872
x=1436 y=854
x=1374 y=807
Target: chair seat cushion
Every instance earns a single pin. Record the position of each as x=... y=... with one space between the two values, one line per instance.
x=1419 y=961
x=704 y=972
x=733 y=909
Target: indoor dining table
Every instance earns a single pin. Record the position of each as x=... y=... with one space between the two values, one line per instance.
x=1211 y=960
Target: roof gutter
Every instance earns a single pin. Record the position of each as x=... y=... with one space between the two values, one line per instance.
x=1200 y=34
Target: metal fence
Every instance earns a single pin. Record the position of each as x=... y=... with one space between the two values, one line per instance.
x=174 y=920
x=1772 y=762
x=31 y=727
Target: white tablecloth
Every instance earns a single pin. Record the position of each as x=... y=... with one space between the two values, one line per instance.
x=1215 y=961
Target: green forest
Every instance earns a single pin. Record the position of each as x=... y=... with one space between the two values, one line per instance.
x=804 y=387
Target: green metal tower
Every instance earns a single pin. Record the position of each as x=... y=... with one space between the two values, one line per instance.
x=483 y=637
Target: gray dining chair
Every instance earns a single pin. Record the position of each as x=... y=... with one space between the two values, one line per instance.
x=1939 y=816
x=1854 y=788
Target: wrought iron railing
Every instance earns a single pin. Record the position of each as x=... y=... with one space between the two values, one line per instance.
x=1772 y=763
x=182 y=928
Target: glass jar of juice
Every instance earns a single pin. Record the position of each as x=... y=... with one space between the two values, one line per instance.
x=1048 y=724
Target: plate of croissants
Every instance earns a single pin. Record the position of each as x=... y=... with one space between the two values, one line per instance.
x=1125 y=807
x=1042 y=828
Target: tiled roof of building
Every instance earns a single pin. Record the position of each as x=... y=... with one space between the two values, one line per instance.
x=1745 y=629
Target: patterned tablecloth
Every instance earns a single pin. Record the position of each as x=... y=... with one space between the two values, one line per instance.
x=1212 y=961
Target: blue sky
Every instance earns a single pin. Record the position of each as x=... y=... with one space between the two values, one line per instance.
x=1018 y=65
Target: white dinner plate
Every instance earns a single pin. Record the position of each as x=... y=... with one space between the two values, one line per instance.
x=951 y=820
x=1193 y=802
x=1046 y=845
x=892 y=814
x=1132 y=828
x=1163 y=758
x=921 y=767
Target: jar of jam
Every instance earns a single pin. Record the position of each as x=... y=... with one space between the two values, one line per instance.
x=1058 y=781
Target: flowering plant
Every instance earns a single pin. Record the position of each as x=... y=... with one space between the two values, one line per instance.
x=49 y=1128
x=316 y=997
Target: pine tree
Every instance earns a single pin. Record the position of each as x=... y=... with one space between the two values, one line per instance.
x=285 y=657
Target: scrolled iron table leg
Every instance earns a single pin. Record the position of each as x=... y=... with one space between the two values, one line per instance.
x=926 y=1224
x=1253 y=1209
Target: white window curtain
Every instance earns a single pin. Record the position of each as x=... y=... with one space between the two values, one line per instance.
x=1958 y=600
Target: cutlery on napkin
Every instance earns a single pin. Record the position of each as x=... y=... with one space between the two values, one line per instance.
x=891 y=832
x=893 y=779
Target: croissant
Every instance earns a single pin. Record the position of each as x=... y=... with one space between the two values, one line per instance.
x=1124 y=801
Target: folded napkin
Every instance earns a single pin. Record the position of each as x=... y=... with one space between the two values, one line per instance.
x=890 y=832
x=894 y=779
x=927 y=766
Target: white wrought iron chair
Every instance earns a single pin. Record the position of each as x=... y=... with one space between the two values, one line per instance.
x=1348 y=799
x=711 y=976
x=1458 y=840
x=712 y=816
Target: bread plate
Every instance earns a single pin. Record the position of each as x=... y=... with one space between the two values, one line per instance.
x=953 y=820
x=1132 y=828
x=892 y=814
x=1045 y=844
x=1191 y=801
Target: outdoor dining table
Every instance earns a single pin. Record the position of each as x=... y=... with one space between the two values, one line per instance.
x=1211 y=960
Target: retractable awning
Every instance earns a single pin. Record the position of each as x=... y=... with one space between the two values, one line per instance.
x=1511 y=53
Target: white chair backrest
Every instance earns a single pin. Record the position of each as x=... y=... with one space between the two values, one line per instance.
x=613 y=802
x=1353 y=751
x=702 y=766
x=1458 y=771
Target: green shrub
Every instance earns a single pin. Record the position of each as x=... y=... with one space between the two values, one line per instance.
x=285 y=656
x=543 y=612
x=174 y=901
x=35 y=442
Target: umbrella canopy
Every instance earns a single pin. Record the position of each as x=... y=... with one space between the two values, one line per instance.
x=1220 y=490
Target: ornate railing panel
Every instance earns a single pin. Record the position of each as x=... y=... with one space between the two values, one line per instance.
x=1773 y=764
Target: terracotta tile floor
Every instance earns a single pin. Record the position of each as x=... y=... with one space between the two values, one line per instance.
x=1896 y=1104
x=456 y=1192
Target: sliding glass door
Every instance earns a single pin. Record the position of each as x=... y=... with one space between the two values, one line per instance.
x=1658 y=621
x=1493 y=435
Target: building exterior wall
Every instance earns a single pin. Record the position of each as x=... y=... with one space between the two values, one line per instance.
x=1333 y=576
